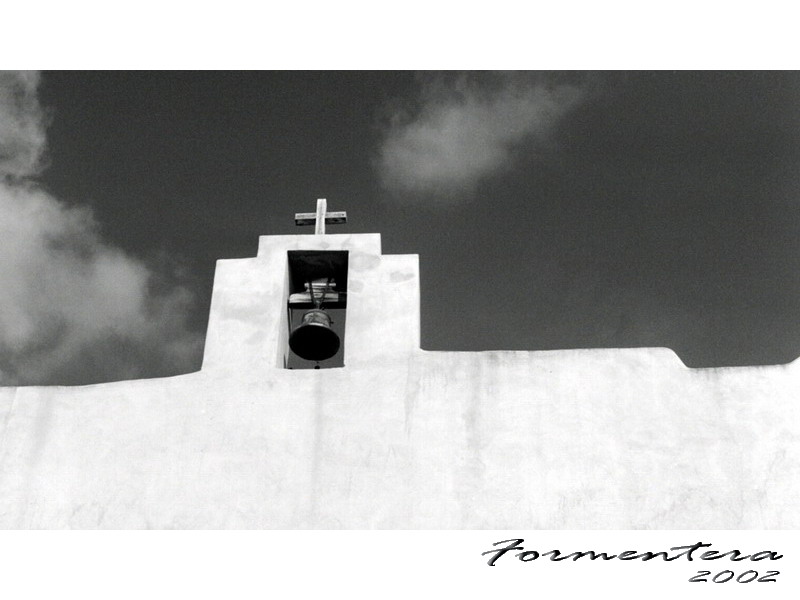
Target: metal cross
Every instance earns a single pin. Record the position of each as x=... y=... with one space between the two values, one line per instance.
x=321 y=217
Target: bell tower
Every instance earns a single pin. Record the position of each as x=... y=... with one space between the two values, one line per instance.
x=327 y=301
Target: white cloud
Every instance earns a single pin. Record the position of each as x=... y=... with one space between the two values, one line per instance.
x=467 y=129
x=73 y=308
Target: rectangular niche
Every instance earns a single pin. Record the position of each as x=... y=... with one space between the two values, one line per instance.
x=320 y=275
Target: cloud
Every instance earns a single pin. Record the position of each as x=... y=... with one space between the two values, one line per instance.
x=73 y=308
x=465 y=129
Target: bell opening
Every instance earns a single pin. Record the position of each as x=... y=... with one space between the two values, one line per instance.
x=316 y=309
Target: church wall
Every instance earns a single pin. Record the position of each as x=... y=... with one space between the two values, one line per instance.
x=400 y=437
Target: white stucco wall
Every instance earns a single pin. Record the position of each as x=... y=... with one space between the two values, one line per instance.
x=400 y=437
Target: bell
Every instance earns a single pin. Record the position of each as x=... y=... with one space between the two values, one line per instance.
x=314 y=339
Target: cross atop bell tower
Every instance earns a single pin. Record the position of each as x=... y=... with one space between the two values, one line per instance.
x=321 y=217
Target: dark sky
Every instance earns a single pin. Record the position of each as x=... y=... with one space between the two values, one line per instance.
x=550 y=211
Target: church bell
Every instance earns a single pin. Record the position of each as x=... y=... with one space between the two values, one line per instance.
x=314 y=339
